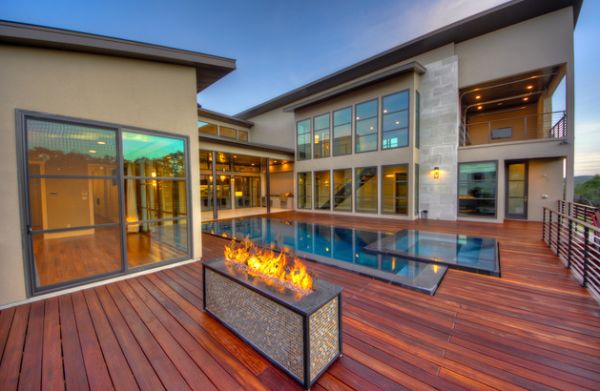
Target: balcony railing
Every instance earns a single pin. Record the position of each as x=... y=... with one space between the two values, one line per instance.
x=577 y=244
x=580 y=212
x=551 y=125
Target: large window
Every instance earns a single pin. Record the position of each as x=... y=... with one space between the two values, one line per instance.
x=208 y=128
x=366 y=126
x=477 y=187
x=366 y=189
x=342 y=190
x=304 y=190
x=322 y=190
x=395 y=120
x=89 y=219
x=417 y=119
x=321 y=136
x=394 y=189
x=342 y=132
x=303 y=142
x=417 y=181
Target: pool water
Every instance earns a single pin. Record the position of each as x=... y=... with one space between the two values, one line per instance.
x=336 y=246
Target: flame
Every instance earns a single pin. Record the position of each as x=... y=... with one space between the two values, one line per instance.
x=271 y=267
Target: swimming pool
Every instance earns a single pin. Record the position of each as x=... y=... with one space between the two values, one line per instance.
x=336 y=246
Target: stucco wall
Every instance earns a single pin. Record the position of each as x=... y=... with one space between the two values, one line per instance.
x=130 y=92
x=545 y=186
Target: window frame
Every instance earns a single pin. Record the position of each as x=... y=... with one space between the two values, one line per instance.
x=458 y=182
x=356 y=189
x=314 y=132
x=355 y=121
x=310 y=137
x=24 y=205
x=315 y=192
x=382 y=178
x=333 y=208
x=309 y=174
x=332 y=148
x=408 y=109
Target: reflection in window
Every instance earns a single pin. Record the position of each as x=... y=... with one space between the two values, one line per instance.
x=395 y=120
x=342 y=190
x=247 y=191
x=322 y=190
x=304 y=190
x=303 y=141
x=418 y=119
x=366 y=126
x=321 y=136
x=394 y=189
x=155 y=199
x=477 y=187
x=149 y=155
x=342 y=131
x=208 y=128
x=243 y=135
x=206 y=191
x=366 y=189
x=223 y=192
x=155 y=242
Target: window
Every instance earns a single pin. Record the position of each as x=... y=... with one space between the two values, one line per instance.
x=342 y=132
x=395 y=120
x=366 y=189
x=418 y=120
x=303 y=151
x=500 y=133
x=477 y=186
x=243 y=135
x=208 y=128
x=304 y=190
x=366 y=126
x=322 y=190
x=394 y=189
x=416 y=189
x=224 y=131
x=342 y=190
x=321 y=136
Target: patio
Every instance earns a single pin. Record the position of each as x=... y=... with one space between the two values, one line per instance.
x=533 y=328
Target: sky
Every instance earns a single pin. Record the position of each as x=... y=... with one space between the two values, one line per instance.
x=281 y=45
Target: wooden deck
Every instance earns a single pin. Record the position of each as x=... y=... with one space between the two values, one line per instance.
x=534 y=328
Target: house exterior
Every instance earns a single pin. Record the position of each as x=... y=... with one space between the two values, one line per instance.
x=109 y=165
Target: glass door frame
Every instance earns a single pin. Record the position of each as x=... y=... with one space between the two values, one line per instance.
x=508 y=215
x=24 y=201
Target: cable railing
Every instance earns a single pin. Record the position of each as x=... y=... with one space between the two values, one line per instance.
x=551 y=125
x=581 y=212
x=577 y=245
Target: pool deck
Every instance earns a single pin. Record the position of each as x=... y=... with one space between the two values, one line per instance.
x=533 y=328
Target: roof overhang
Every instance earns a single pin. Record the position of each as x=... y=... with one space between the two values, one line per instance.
x=387 y=73
x=205 y=113
x=209 y=68
x=504 y=15
x=247 y=145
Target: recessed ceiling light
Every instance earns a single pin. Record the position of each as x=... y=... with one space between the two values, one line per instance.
x=384 y=111
x=530 y=87
x=92 y=151
x=525 y=99
x=101 y=142
x=479 y=107
x=478 y=97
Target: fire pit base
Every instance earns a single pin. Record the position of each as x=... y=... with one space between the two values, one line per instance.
x=302 y=336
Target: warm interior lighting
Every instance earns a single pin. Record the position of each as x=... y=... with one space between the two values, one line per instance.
x=525 y=99
x=316 y=138
x=153 y=174
x=478 y=97
x=479 y=107
x=223 y=178
x=274 y=269
x=101 y=142
x=530 y=87
x=239 y=193
x=436 y=172
x=92 y=151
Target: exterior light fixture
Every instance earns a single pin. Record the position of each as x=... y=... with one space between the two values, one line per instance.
x=436 y=172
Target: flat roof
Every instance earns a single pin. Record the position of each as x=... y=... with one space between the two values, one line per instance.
x=209 y=68
x=224 y=117
x=495 y=18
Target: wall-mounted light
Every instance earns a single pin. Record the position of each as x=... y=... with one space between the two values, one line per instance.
x=436 y=172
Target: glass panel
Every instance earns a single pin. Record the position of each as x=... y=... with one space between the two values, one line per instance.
x=516 y=172
x=156 y=242
x=154 y=199
x=303 y=140
x=205 y=160
x=322 y=122
x=394 y=188
x=342 y=133
x=304 y=190
x=55 y=148
x=366 y=189
x=516 y=206
x=366 y=126
x=342 y=190
x=223 y=192
x=321 y=136
x=343 y=116
x=395 y=102
x=516 y=188
x=395 y=121
x=66 y=256
x=223 y=162
x=243 y=135
x=70 y=202
x=224 y=131
x=322 y=190
x=366 y=143
x=243 y=163
x=152 y=156
x=366 y=109
x=395 y=139
x=208 y=128
x=206 y=192
x=247 y=191
x=477 y=189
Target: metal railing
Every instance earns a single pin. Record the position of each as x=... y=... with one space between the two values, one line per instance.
x=580 y=212
x=551 y=125
x=577 y=245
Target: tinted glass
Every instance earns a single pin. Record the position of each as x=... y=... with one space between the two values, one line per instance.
x=477 y=187
x=207 y=128
x=366 y=189
x=342 y=189
x=321 y=136
x=395 y=102
x=303 y=140
x=366 y=126
x=394 y=189
x=153 y=156
x=155 y=199
x=227 y=132
x=366 y=109
x=156 y=242
x=322 y=190
x=395 y=121
x=304 y=190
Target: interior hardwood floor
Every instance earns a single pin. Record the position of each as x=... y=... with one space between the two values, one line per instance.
x=533 y=328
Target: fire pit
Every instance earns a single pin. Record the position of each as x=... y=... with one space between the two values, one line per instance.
x=272 y=303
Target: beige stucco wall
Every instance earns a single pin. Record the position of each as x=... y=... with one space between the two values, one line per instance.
x=130 y=92
x=545 y=186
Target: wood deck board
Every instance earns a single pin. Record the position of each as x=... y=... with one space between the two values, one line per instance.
x=533 y=328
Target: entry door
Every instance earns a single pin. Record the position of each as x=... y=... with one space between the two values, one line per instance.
x=516 y=190
x=72 y=202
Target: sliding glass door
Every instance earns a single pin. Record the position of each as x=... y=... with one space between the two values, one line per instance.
x=100 y=200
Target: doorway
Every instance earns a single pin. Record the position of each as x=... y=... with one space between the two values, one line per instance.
x=516 y=190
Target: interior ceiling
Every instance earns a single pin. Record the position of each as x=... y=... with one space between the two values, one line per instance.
x=498 y=94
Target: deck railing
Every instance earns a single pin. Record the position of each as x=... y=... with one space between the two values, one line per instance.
x=581 y=212
x=577 y=244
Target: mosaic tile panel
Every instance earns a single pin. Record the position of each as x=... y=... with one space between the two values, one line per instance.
x=324 y=336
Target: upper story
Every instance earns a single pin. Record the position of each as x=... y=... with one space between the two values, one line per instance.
x=501 y=82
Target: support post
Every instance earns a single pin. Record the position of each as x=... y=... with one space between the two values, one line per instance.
x=268 y=185
x=586 y=233
x=214 y=185
x=569 y=254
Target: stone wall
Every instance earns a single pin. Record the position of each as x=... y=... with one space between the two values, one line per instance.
x=439 y=139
